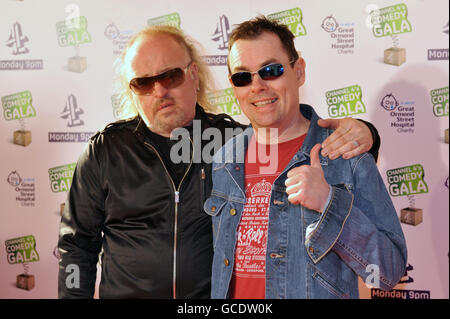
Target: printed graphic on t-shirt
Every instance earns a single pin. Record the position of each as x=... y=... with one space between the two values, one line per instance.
x=252 y=233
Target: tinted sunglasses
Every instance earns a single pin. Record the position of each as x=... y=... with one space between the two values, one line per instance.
x=268 y=72
x=169 y=80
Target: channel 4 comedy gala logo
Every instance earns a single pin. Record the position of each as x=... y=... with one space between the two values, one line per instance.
x=22 y=250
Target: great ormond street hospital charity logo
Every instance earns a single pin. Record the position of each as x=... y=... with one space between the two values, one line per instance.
x=14 y=179
x=402 y=113
x=330 y=24
x=342 y=35
x=389 y=102
x=25 y=190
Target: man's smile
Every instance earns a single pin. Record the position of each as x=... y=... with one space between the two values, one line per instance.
x=263 y=102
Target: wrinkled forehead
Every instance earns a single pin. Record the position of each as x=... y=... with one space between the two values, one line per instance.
x=154 y=54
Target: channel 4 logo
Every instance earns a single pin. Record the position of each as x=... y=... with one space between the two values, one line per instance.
x=222 y=33
x=72 y=112
x=17 y=40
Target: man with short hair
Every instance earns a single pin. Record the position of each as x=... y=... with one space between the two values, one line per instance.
x=130 y=200
x=308 y=226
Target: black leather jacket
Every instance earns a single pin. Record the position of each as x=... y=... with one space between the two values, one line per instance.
x=156 y=240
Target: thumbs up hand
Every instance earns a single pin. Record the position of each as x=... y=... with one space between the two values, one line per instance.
x=306 y=184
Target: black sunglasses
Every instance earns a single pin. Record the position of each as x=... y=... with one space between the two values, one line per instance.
x=267 y=72
x=169 y=80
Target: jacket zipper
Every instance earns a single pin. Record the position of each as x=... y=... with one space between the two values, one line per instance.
x=177 y=200
x=202 y=187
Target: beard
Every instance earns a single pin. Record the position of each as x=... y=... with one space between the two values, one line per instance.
x=167 y=122
x=165 y=115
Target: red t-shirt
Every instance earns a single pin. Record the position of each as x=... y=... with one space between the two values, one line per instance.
x=249 y=272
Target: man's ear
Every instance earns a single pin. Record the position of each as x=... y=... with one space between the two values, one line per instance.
x=193 y=70
x=299 y=68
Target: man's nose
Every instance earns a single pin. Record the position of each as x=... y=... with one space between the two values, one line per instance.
x=258 y=84
x=159 y=90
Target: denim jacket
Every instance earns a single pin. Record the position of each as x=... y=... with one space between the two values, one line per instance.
x=311 y=254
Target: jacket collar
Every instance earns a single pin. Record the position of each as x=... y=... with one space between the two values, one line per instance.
x=316 y=135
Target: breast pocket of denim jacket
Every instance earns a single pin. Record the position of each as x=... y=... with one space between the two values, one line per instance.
x=214 y=206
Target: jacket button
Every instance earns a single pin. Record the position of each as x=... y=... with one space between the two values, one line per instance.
x=213 y=209
x=311 y=250
x=226 y=262
x=232 y=212
x=237 y=168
